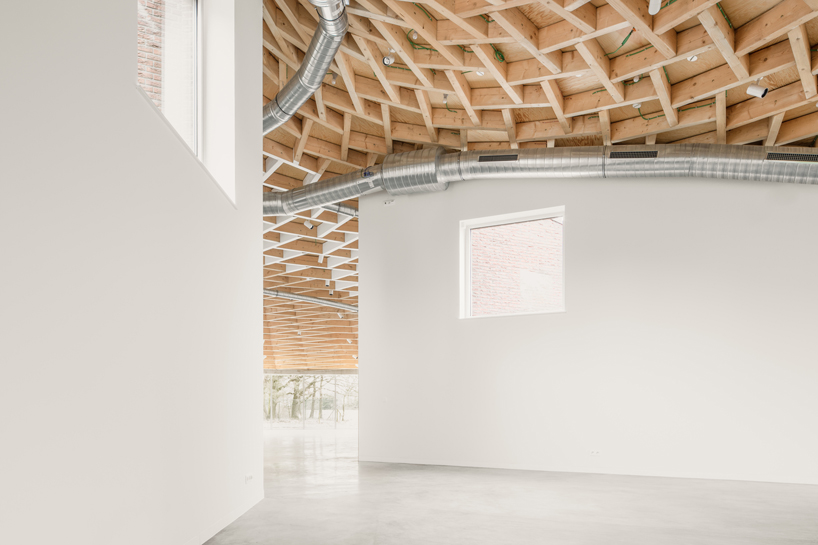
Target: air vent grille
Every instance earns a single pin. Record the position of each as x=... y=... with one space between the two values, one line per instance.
x=634 y=154
x=496 y=158
x=798 y=157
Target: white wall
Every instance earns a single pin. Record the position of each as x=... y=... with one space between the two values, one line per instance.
x=688 y=347
x=130 y=316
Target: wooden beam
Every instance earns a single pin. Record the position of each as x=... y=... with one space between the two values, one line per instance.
x=662 y=86
x=302 y=142
x=397 y=38
x=463 y=91
x=583 y=17
x=378 y=68
x=554 y=94
x=756 y=131
x=348 y=76
x=774 y=126
x=426 y=27
x=777 y=101
x=725 y=40
x=772 y=24
x=526 y=34
x=693 y=41
x=799 y=41
x=511 y=128
x=345 y=136
x=498 y=70
x=600 y=65
x=531 y=131
x=321 y=109
x=676 y=13
x=635 y=127
x=426 y=112
x=764 y=62
x=605 y=124
x=387 y=127
x=474 y=26
x=367 y=143
x=636 y=13
x=721 y=117
x=798 y=129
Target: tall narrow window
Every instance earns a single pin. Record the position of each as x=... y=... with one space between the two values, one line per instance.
x=167 y=53
x=513 y=264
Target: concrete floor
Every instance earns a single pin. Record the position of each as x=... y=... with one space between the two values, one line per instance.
x=317 y=493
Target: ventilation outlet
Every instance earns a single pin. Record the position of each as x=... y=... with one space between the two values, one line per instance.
x=496 y=158
x=797 y=157
x=634 y=154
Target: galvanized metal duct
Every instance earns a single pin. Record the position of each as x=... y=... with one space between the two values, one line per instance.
x=341 y=209
x=332 y=28
x=308 y=299
x=431 y=170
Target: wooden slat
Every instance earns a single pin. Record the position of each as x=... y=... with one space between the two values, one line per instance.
x=636 y=13
x=498 y=70
x=721 y=118
x=595 y=56
x=662 y=86
x=772 y=24
x=724 y=38
x=799 y=41
x=774 y=126
x=605 y=124
x=557 y=101
x=511 y=128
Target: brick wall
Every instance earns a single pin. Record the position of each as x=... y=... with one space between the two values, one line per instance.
x=150 y=26
x=517 y=268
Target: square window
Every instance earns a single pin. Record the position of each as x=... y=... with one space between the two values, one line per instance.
x=167 y=61
x=513 y=264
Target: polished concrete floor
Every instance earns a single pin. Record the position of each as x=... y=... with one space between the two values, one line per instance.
x=318 y=493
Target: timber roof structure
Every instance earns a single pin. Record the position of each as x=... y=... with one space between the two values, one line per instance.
x=494 y=74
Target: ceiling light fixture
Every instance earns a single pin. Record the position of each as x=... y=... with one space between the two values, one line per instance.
x=757 y=90
x=341 y=316
x=637 y=105
x=636 y=79
x=308 y=224
x=654 y=6
x=354 y=356
x=445 y=98
x=414 y=34
x=334 y=78
x=580 y=74
x=693 y=58
x=479 y=72
x=330 y=292
x=389 y=59
x=326 y=284
x=349 y=341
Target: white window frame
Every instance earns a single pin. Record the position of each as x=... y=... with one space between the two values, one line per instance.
x=466 y=227
x=215 y=134
x=195 y=147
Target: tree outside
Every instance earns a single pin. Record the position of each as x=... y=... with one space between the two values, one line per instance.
x=311 y=401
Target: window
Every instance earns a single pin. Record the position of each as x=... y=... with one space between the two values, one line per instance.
x=512 y=264
x=167 y=61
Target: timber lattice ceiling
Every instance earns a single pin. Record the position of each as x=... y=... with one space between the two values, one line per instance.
x=494 y=74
